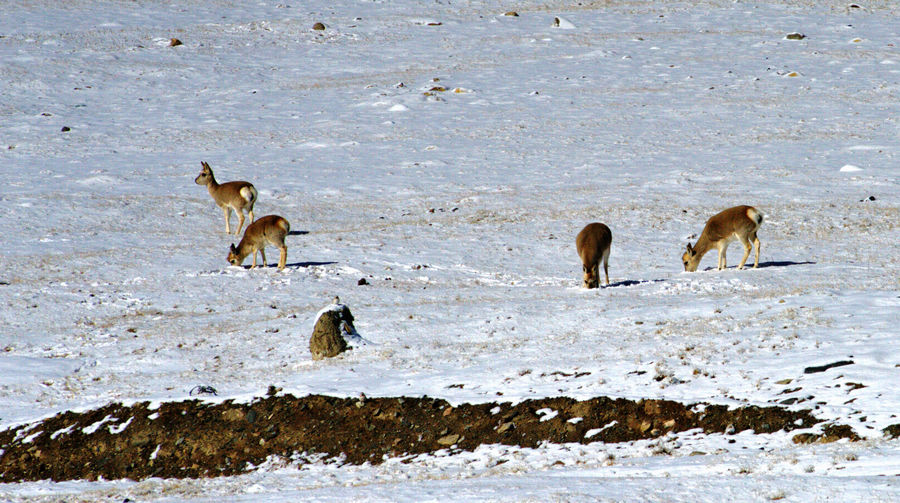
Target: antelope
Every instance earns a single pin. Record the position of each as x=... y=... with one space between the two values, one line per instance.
x=267 y=230
x=593 y=247
x=740 y=222
x=236 y=196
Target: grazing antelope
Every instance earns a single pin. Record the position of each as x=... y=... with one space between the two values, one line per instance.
x=593 y=247
x=236 y=196
x=267 y=230
x=740 y=222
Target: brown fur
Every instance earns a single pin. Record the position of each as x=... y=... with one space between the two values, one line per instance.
x=267 y=230
x=740 y=222
x=237 y=196
x=593 y=244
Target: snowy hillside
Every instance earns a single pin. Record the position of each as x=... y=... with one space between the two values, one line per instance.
x=448 y=154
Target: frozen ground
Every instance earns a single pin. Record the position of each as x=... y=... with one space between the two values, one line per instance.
x=460 y=209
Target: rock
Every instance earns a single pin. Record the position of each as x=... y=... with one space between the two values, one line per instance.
x=805 y=438
x=892 y=431
x=319 y=27
x=795 y=36
x=511 y=13
x=333 y=325
x=448 y=439
x=174 y=42
x=830 y=433
x=362 y=282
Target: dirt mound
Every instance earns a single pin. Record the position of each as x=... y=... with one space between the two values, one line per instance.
x=199 y=439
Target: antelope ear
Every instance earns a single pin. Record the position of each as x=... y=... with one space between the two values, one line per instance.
x=690 y=249
x=233 y=249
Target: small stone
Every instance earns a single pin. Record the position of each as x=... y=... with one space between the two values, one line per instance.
x=174 y=42
x=795 y=36
x=506 y=427
x=65 y=129
x=319 y=27
x=511 y=13
x=362 y=282
x=448 y=439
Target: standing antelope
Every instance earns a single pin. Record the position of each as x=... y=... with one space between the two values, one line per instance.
x=230 y=195
x=593 y=247
x=740 y=222
x=267 y=230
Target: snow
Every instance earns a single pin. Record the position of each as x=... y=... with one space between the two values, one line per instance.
x=460 y=209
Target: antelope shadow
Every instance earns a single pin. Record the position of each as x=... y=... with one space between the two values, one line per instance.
x=762 y=265
x=632 y=282
x=295 y=265
x=783 y=263
x=309 y=264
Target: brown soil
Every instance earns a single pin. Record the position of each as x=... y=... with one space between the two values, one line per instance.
x=199 y=439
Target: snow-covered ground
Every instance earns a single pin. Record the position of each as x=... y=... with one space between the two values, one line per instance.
x=460 y=208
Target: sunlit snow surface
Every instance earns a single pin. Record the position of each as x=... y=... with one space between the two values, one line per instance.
x=460 y=207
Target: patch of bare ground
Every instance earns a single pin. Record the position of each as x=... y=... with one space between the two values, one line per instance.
x=191 y=439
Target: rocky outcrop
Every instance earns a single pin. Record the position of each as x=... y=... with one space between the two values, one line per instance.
x=333 y=329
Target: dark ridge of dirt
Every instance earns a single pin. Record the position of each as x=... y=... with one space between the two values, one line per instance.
x=830 y=433
x=199 y=439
